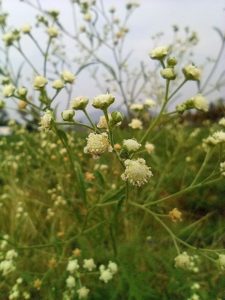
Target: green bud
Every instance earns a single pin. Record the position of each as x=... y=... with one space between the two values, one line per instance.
x=68 y=115
x=168 y=73
x=79 y=103
x=116 y=117
x=171 y=62
x=103 y=101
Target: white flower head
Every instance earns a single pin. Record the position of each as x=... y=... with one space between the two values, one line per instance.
x=150 y=148
x=58 y=84
x=22 y=91
x=79 y=103
x=131 y=145
x=200 y=103
x=136 y=172
x=67 y=76
x=8 y=90
x=11 y=254
x=159 y=52
x=83 y=292
x=26 y=28
x=137 y=106
x=72 y=266
x=39 y=82
x=191 y=72
x=103 y=101
x=6 y=267
x=183 y=261
x=105 y=275
x=150 y=103
x=47 y=120
x=52 y=32
x=218 y=137
x=112 y=266
x=136 y=124
x=168 y=73
x=89 y=264
x=68 y=115
x=97 y=144
x=70 y=282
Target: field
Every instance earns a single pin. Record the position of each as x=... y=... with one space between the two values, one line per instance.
x=108 y=199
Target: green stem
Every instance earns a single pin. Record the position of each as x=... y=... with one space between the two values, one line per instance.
x=207 y=156
x=157 y=119
x=89 y=119
x=184 y=191
x=172 y=235
x=177 y=89
x=46 y=56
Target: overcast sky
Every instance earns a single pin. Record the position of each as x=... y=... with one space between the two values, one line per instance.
x=151 y=17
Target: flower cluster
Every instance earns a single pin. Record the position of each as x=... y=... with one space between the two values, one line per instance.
x=198 y=102
x=186 y=262
x=73 y=281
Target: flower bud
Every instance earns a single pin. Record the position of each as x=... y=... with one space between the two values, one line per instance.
x=168 y=73
x=52 y=32
x=191 y=73
x=171 y=62
x=22 y=104
x=79 y=103
x=8 y=90
x=103 y=101
x=67 y=76
x=116 y=118
x=58 y=84
x=39 y=82
x=68 y=115
x=22 y=92
x=131 y=145
x=5 y=80
x=159 y=53
x=26 y=28
x=8 y=38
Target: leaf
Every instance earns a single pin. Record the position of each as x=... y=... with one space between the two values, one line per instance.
x=81 y=182
x=100 y=178
x=77 y=168
x=114 y=195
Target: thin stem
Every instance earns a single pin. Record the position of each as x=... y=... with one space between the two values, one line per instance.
x=46 y=56
x=177 y=89
x=74 y=124
x=36 y=43
x=207 y=156
x=214 y=67
x=184 y=191
x=172 y=235
x=156 y=120
x=89 y=119
x=26 y=58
